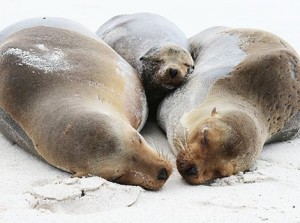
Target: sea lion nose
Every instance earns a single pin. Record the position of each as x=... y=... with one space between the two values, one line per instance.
x=162 y=174
x=173 y=72
x=191 y=171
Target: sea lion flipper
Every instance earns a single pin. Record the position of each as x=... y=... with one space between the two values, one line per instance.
x=14 y=132
x=79 y=174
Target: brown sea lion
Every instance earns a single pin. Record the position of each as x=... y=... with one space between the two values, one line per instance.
x=243 y=93
x=70 y=99
x=153 y=45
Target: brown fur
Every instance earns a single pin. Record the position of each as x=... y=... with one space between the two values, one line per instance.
x=242 y=110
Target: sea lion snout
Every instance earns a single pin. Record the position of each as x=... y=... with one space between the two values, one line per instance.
x=202 y=171
x=170 y=76
x=149 y=171
x=170 y=65
x=192 y=170
x=172 y=72
x=176 y=58
x=162 y=174
x=140 y=164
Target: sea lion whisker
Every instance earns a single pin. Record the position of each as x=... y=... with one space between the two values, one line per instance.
x=156 y=147
x=185 y=137
x=179 y=143
x=150 y=141
x=168 y=158
x=176 y=142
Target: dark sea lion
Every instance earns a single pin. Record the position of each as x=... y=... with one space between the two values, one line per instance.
x=70 y=99
x=243 y=93
x=153 y=45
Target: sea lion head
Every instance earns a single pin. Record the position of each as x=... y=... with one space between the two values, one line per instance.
x=218 y=146
x=114 y=150
x=144 y=166
x=166 y=67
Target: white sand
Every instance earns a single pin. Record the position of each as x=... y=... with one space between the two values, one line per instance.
x=33 y=191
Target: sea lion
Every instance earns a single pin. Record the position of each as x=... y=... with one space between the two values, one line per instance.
x=153 y=45
x=70 y=99
x=243 y=93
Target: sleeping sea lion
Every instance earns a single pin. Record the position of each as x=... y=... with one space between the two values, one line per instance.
x=243 y=93
x=153 y=45
x=70 y=99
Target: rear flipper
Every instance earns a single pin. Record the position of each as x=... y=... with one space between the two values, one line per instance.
x=290 y=130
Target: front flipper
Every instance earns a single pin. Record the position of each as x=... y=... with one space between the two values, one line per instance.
x=15 y=133
x=79 y=174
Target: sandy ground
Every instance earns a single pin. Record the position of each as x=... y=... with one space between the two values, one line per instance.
x=33 y=191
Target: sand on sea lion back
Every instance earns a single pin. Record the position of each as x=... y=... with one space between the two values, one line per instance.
x=46 y=60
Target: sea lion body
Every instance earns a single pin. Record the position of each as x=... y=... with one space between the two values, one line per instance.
x=153 y=45
x=243 y=93
x=70 y=99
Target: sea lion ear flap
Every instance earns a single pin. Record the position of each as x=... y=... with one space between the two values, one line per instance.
x=150 y=53
x=143 y=58
x=214 y=112
x=204 y=136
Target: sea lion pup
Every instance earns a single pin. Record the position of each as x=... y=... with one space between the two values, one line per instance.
x=243 y=93
x=70 y=99
x=153 y=45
